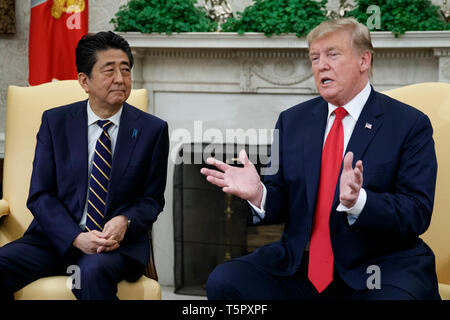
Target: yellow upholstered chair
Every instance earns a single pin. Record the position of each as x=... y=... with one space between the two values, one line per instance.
x=24 y=109
x=433 y=99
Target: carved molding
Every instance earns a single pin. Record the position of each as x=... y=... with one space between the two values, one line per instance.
x=445 y=67
x=287 y=72
x=441 y=52
x=444 y=63
x=186 y=53
x=138 y=53
x=246 y=78
x=403 y=53
x=190 y=54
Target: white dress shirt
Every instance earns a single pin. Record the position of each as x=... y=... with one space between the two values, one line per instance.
x=354 y=108
x=94 y=132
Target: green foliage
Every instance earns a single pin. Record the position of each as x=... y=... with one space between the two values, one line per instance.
x=272 y=16
x=163 y=16
x=277 y=17
x=399 y=16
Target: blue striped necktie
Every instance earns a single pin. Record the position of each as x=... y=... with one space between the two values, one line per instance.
x=99 y=180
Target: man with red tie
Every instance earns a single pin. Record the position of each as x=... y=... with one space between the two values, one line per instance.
x=355 y=187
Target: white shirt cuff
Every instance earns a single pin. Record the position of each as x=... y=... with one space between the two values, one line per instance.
x=354 y=212
x=259 y=213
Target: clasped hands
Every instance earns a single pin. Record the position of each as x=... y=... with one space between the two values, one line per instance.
x=244 y=182
x=108 y=240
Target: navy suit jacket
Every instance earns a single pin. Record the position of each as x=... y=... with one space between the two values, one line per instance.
x=399 y=177
x=59 y=180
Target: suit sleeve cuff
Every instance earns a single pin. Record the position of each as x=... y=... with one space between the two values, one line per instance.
x=354 y=212
x=259 y=213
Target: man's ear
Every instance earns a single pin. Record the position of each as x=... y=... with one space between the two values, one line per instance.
x=83 y=80
x=365 y=61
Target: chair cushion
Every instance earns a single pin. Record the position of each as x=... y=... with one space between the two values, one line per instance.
x=55 y=288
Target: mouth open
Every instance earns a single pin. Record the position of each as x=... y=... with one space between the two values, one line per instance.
x=326 y=81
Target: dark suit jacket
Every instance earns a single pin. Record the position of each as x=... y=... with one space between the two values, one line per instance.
x=60 y=177
x=399 y=176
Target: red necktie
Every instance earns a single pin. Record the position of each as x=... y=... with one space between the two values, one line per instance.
x=321 y=260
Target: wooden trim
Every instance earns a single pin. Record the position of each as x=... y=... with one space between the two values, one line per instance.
x=150 y=270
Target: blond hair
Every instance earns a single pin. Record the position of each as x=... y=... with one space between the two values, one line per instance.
x=360 y=34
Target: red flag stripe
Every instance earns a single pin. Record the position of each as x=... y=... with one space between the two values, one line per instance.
x=55 y=29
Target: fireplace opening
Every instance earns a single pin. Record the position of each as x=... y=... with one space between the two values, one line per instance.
x=210 y=226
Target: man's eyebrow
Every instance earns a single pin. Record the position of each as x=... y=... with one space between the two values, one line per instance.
x=110 y=63
x=332 y=48
x=326 y=50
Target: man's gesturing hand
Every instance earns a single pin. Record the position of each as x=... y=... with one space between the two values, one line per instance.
x=240 y=182
x=351 y=181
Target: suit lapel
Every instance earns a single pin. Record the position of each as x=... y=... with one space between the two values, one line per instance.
x=76 y=131
x=126 y=140
x=369 y=122
x=314 y=135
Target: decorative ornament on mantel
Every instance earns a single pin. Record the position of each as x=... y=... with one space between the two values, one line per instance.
x=344 y=7
x=218 y=10
x=445 y=11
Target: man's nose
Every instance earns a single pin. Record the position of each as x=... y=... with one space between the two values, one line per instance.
x=118 y=78
x=323 y=64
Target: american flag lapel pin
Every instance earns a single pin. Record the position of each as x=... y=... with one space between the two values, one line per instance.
x=368 y=126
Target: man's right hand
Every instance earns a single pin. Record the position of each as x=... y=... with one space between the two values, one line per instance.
x=240 y=182
x=91 y=242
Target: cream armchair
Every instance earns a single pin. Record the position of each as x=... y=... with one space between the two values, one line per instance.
x=25 y=106
x=434 y=100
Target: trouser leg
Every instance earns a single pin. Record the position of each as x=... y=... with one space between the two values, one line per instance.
x=239 y=280
x=22 y=263
x=100 y=274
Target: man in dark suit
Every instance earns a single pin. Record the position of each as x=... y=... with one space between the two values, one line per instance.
x=351 y=227
x=98 y=182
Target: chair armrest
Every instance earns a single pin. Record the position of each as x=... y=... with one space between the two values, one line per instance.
x=4 y=207
x=444 y=291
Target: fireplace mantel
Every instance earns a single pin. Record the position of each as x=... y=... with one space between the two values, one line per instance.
x=219 y=81
x=253 y=40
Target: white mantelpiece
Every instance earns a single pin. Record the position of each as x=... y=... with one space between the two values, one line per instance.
x=230 y=81
x=252 y=40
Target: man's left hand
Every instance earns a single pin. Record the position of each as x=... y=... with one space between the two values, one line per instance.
x=351 y=181
x=115 y=230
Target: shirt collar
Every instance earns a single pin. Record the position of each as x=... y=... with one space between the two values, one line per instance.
x=355 y=106
x=93 y=118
